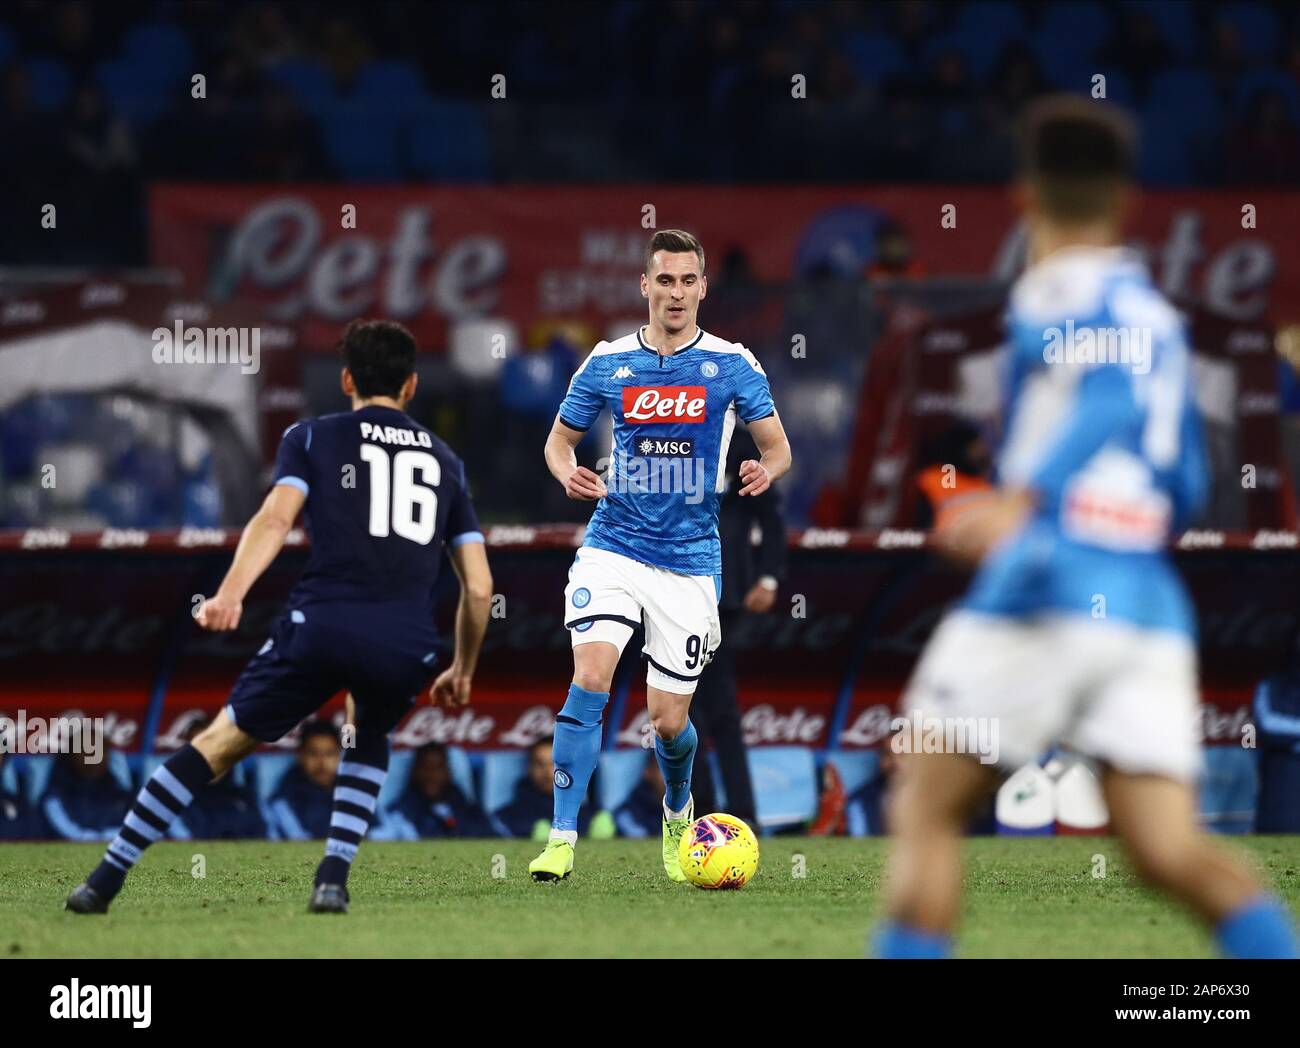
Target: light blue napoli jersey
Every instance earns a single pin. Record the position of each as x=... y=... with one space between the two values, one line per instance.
x=673 y=420
x=1101 y=423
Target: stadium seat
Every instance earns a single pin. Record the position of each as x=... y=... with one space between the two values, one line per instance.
x=856 y=767
x=1176 y=20
x=620 y=771
x=400 y=763
x=49 y=83
x=362 y=141
x=502 y=770
x=1256 y=25
x=448 y=141
x=165 y=48
x=1183 y=98
x=134 y=89
x=7 y=47
x=1084 y=25
x=9 y=777
x=785 y=784
x=310 y=83
x=1228 y=789
x=874 y=56
x=396 y=82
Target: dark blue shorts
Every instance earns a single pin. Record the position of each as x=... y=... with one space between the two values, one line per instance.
x=383 y=654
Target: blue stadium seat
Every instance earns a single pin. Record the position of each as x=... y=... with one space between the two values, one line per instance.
x=1267 y=80
x=400 y=763
x=36 y=771
x=8 y=49
x=998 y=19
x=163 y=47
x=1256 y=24
x=1185 y=98
x=390 y=80
x=502 y=770
x=362 y=141
x=856 y=767
x=49 y=82
x=785 y=784
x=448 y=140
x=620 y=772
x=1228 y=790
x=9 y=776
x=874 y=56
x=1083 y=25
x=1176 y=20
x=310 y=83
x=133 y=89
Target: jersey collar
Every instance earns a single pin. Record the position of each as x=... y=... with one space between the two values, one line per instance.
x=640 y=332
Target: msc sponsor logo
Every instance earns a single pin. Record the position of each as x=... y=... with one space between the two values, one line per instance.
x=680 y=404
x=653 y=447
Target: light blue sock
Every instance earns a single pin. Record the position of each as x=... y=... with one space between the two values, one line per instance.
x=894 y=941
x=577 y=748
x=1260 y=928
x=676 y=757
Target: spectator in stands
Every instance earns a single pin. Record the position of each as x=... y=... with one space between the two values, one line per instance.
x=1266 y=148
x=954 y=469
x=302 y=803
x=83 y=801
x=19 y=821
x=226 y=810
x=750 y=579
x=433 y=805
x=529 y=813
x=641 y=815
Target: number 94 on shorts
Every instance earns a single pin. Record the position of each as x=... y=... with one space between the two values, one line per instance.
x=610 y=595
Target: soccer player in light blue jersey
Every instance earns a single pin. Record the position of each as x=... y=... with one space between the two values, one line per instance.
x=1077 y=628
x=651 y=556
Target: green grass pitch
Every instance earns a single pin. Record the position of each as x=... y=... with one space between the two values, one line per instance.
x=1025 y=898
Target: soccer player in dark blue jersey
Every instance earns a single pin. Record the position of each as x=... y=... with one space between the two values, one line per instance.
x=383 y=497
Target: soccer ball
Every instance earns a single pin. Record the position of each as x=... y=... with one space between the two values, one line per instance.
x=718 y=851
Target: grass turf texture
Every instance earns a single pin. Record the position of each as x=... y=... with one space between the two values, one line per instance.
x=1025 y=898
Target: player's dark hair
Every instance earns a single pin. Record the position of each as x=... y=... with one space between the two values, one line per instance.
x=315 y=728
x=1079 y=153
x=380 y=354
x=676 y=241
x=537 y=743
x=430 y=747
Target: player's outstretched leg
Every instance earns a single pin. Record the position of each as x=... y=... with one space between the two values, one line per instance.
x=356 y=795
x=1156 y=819
x=166 y=795
x=932 y=799
x=675 y=745
x=576 y=751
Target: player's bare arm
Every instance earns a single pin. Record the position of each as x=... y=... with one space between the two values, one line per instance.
x=262 y=540
x=579 y=482
x=967 y=537
x=757 y=475
x=452 y=687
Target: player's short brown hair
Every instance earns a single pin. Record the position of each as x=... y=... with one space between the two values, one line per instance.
x=675 y=241
x=1079 y=153
x=380 y=354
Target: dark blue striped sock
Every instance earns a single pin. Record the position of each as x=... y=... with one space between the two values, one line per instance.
x=168 y=792
x=356 y=796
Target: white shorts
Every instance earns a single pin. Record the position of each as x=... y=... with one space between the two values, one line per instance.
x=609 y=596
x=1124 y=695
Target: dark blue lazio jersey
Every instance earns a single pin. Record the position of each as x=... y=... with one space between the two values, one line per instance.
x=673 y=421
x=383 y=497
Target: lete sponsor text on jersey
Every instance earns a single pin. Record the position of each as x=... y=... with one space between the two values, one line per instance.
x=680 y=404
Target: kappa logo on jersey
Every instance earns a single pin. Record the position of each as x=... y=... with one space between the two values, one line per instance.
x=680 y=404
x=651 y=447
x=624 y=372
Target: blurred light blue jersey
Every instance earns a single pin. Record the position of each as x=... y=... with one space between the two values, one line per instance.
x=1100 y=422
x=673 y=420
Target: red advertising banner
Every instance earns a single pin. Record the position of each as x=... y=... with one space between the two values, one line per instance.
x=101 y=624
x=430 y=256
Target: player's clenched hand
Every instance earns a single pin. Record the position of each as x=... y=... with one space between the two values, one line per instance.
x=583 y=484
x=754 y=477
x=219 y=613
x=451 y=689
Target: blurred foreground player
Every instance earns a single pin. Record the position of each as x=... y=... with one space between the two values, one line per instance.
x=1077 y=627
x=383 y=496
